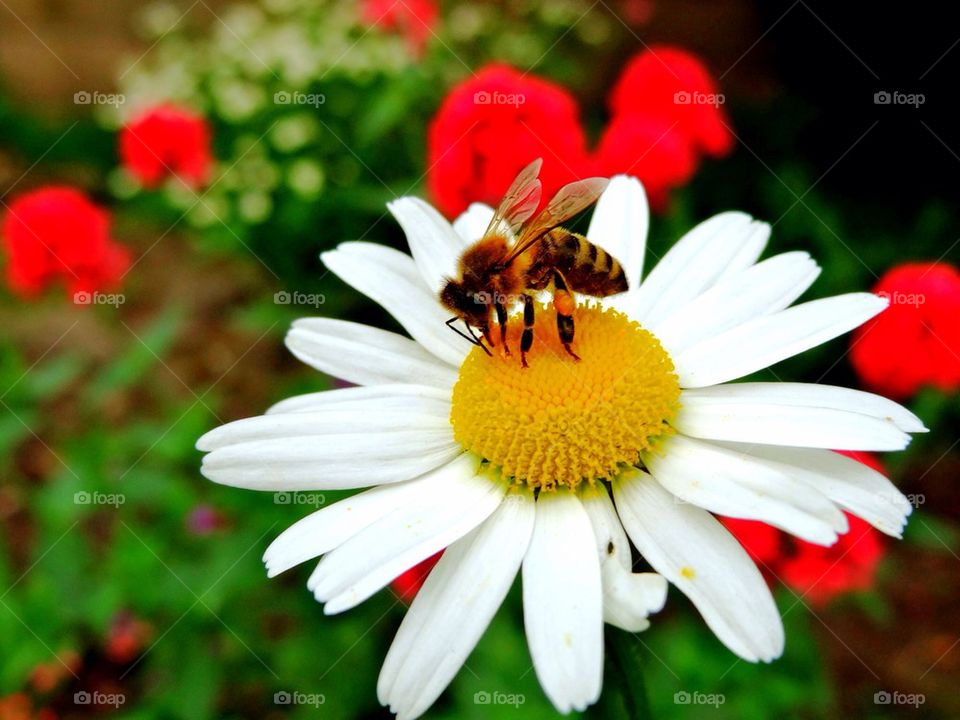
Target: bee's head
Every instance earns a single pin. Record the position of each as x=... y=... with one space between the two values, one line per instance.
x=469 y=304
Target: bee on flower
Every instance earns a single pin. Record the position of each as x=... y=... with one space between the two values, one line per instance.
x=629 y=434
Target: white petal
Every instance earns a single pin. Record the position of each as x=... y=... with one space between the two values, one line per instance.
x=760 y=343
x=794 y=414
x=732 y=484
x=562 y=603
x=620 y=223
x=390 y=278
x=374 y=398
x=453 y=608
x=859 y=489
x=473 y=222
x=747 y=249
x=761 y=289
x=365 y=355
x=329 y=527
x=338 y=461
x=793 y=425
x=611 y=540
x=693 y=551
x=829 y=397
x=628 y=597
x=725 y=243
x=433 y=242
x=327 y=421
x=410 y=534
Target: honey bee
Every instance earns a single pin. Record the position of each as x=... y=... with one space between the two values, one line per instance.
x=515 y=258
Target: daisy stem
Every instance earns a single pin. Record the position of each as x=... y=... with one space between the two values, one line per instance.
x=625 y=695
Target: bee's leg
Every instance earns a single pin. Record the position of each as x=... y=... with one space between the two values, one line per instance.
x=485 y=335
x=502 y=322
x=565 y=305
x=526 y=340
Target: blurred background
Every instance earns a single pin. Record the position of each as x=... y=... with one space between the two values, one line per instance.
x=169 y=173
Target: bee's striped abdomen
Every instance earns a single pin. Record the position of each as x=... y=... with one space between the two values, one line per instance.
x=588 y=268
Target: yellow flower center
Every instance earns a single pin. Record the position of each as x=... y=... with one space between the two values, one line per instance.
x=561 y=421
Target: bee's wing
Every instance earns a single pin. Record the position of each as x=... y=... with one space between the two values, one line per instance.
x=518 y=204
x=570 y=200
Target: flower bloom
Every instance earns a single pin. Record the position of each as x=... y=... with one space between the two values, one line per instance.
x=916 y=341
x=414 y=19
x=57 y=234
x=47 y=676
x=204 y=520
x=662 y=158
x=127 y=637
x=666 y=113
x=492 y=125
x=815 y=572
x=515 y=470
x=167 y=141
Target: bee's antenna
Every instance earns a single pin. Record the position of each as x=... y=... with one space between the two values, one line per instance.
x=484 y=347
x=477 y=340
x=471 y=338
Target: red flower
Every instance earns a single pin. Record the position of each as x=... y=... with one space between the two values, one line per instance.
x=673 y=84
x=636 y=12
x=916 y=341
x=205 y=520
x=821 y=573
x=16 y=706
x=666 y=112
x=492 y=125
x=408 y=584
x=815 y=572
x=167 y=141
x=763 y=543
x=56 y=233
x=414 y=19
x=648 y=149
x=45 y=677
x=127 y=637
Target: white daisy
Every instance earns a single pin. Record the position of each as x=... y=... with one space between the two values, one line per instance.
x=441 y=432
